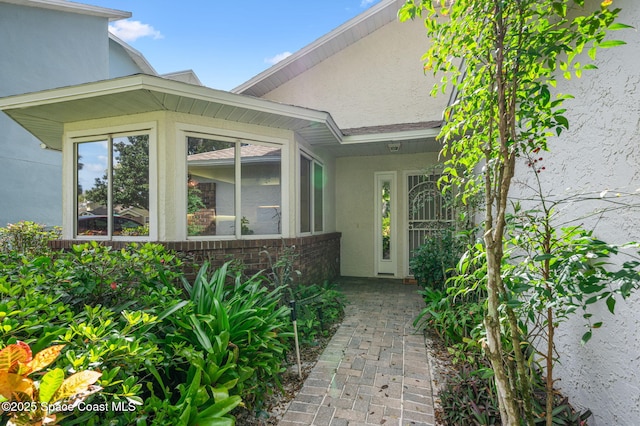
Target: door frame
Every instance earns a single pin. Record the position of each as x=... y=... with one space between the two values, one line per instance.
x=384 y=266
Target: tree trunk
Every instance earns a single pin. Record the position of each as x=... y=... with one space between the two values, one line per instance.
x=506 y=397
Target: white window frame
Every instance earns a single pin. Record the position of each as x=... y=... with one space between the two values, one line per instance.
x=70 y=178
x=184 y=131
x=314 y=161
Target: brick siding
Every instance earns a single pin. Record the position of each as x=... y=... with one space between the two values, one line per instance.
x=317 y=256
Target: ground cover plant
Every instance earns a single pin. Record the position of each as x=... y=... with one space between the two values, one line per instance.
x=164 y=349
x=544 y=288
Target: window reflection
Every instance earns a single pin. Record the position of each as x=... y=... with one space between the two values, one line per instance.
x=261 y=190
x=113 y=186
x=318 y=193
x=210 y=187
x=305 y=195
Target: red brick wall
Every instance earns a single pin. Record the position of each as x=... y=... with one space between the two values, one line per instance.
x=317 y=257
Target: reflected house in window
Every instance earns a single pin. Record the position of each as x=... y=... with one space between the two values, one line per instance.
x=212 y=189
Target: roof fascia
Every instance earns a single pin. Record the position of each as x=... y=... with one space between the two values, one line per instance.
x=391 y=136
x=68 y=6
x=313 y=46
x=172 y=87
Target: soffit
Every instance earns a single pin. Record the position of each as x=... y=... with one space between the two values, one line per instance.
x=409 y=146
x=408 y=138
x=45 y=113
x=326 y=46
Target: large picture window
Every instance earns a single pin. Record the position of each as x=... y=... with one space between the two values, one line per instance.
x=216 y=204
x=112 y=180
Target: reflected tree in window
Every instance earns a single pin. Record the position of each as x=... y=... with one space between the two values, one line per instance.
x=130 y=174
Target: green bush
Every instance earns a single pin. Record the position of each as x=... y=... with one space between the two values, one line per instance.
x=178 y=353
x=135 y=277
x=434 y=262
x=470 y=399
x=27 y=237
x=318 y=308
x=257 y=323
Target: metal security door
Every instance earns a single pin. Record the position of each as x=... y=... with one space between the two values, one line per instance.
x=428 y=210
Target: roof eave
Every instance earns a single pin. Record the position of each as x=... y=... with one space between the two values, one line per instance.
x=17 y=106
x=392 y=136
x=68 y=6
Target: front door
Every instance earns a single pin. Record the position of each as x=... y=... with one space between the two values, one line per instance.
x=386 y=247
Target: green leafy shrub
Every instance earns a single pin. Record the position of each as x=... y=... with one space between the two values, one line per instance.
x=434 y=262
x=27 y=238
x=318 y=308
x=135 y=277
x=253 y=316
x=453 y=320
x=470 y=398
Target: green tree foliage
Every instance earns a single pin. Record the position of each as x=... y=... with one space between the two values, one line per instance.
x=502 y=59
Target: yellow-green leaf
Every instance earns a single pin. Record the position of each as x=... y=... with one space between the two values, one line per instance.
x=50 y=383
x=75 y=384
x=611 y=43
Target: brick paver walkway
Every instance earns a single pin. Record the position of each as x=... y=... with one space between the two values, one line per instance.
x=374 y=370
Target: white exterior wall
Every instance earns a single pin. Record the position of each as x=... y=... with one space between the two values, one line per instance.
x=355 y=204
x=377 y=80
x=602 y=151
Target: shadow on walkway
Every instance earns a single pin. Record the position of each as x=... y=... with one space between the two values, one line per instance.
x=374 y=370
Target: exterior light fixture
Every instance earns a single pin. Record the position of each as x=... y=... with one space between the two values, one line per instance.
x=393 y=147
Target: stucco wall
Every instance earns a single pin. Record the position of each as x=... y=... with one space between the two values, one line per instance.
x=355 y=201
x=377 y=80
x=602 y=151
x=41 y=49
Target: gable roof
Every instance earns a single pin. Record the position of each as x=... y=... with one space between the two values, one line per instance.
x=68 y=6
x=324 y=47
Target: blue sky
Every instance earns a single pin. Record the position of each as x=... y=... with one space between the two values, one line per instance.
x=226 y=42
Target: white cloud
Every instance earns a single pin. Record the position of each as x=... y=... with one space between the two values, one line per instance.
x=366 y=3
x=279 y=57
x=133 y=30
